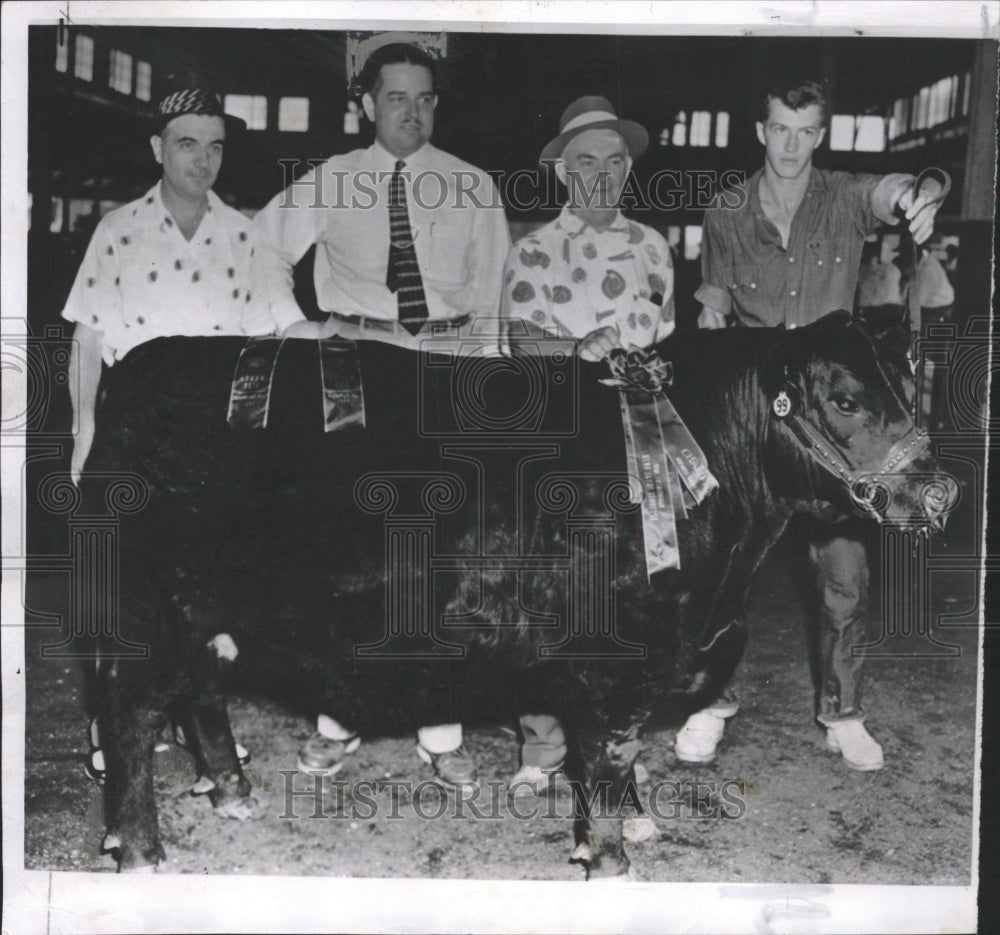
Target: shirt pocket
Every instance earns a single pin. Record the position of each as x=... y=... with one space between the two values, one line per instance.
x=830 y=255
x=446 y=253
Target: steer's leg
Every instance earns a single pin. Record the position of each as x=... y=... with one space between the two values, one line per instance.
x=210 y=736
x=600 y=768
x=211 y=740
x=129 y=726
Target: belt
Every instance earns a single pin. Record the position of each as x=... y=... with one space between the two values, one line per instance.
x=433 y=325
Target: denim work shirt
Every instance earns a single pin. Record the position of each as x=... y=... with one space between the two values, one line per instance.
x=747 y=271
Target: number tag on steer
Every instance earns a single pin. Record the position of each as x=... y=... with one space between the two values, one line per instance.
x=782 y=405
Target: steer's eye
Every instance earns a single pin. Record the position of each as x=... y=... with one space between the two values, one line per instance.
x=845 y=406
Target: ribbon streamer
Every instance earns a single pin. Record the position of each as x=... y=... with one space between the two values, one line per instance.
x=343 y=396
x=661 y=451
x=250 y=396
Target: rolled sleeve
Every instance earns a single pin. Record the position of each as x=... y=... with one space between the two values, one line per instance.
x=715 y=258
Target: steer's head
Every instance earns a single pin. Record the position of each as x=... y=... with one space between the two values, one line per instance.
x=842 y=405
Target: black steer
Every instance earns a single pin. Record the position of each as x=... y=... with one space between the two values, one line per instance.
x=472 y=551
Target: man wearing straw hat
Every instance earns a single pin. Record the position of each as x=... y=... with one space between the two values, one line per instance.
x=593 y=275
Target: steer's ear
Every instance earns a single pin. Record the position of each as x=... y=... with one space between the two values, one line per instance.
x=889 y=326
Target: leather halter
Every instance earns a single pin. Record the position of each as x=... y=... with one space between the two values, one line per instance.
x=866 y=487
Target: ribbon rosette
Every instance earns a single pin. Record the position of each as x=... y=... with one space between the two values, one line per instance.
x=662 y=454
x=639 y=370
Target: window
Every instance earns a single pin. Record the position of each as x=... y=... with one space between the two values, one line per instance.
x=143 y=80
x=701 y=128
x=674 y=236
x=352 y=119
x=692 y=242
x=84 y=67
x=62 y=51
x=680 y=129
x=700 y=131
x=120 y=72
x=722 y=129
x=293 y=114
x=251 y=108
x=841 y=132
x=923 y=108
x=865 y=134
x=953 y=97
x=56 y=224
x=869 y=134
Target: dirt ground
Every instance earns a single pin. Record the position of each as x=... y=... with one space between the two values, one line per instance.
x=800 y=815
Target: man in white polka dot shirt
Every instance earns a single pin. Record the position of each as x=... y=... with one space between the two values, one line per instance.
x=177 y=261
x=591 y=273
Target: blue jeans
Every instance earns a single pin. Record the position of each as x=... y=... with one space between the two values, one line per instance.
x=841 y=565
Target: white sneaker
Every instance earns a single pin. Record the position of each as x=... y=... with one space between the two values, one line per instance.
x=697 y=739
x=529 y=781
x=850 y=739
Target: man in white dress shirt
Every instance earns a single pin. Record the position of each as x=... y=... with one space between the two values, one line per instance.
x=410 y=243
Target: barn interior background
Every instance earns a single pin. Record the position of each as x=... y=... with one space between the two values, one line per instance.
x=899 y=105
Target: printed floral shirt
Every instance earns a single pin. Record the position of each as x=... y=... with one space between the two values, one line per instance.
x=569 y=279
x=141 y=279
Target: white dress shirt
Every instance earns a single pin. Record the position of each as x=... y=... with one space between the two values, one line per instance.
x=458 y=223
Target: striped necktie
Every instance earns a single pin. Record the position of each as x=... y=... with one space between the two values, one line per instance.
x=403 y=274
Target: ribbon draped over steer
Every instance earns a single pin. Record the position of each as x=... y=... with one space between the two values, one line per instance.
x=340 y=378
x=662 y=453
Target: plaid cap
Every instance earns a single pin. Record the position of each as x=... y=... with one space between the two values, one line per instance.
x=193 y=100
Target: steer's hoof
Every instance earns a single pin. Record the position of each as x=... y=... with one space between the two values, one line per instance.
x=608 y=867
x=583 y=854
x=142 y=868
x=241 y=809
x=618 y=877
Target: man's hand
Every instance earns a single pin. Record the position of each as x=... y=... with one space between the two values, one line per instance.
x=308 y=329
x=921 y=209
x=710 y=318
x=598 y=344
x=81 y=449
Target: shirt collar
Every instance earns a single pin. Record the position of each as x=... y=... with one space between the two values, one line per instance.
x=160 y=214
x=386 y=161
x=575 y=225
x=817 y=183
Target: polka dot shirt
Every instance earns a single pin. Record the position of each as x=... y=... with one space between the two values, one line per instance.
x=141 y=279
